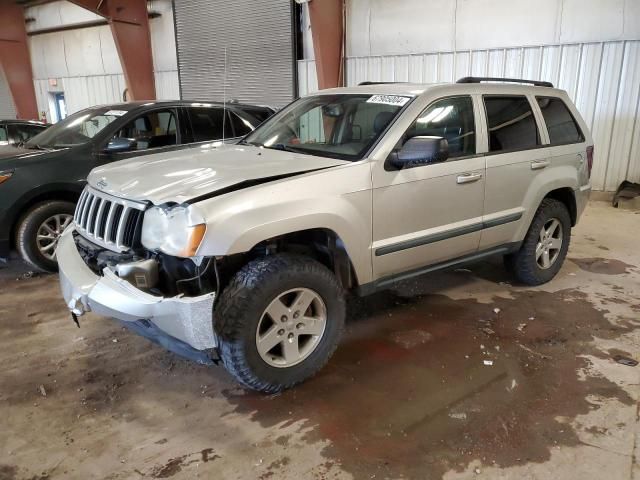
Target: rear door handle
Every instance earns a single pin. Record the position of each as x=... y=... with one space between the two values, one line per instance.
x=539 y=164
x=469 y=177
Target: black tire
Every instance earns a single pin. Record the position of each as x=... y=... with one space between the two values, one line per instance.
x=28 y=227
x=241 y=305
x=522 y=264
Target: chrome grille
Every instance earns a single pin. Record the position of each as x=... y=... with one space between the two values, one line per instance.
x=111 y=222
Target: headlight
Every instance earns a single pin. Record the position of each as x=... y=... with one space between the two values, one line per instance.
x=176 y=231
x=5 y=175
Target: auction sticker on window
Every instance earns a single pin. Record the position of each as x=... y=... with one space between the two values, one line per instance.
x=395 y=100
x=115 y=113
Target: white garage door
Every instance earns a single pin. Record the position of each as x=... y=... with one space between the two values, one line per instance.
x=259 y=43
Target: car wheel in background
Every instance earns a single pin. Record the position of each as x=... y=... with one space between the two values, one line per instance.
x=38 y=232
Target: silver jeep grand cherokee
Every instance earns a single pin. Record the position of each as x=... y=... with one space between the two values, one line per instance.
x=243 y=253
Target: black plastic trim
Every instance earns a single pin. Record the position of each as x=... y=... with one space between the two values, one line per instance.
x=385 y=282
x=514 y=217
x=455 y=232
x=537 y=83
x=435 y=237
x=147 y=329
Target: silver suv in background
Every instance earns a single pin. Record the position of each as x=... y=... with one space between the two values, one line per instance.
x=243 y=253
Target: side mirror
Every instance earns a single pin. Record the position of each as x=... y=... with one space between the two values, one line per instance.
x=421 y=150
x=116 y=145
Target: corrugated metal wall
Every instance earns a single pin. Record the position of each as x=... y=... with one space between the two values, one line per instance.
x=80 y=92
x=259 y=48
x=84 y=62
x=602 y=78
x=7 y=108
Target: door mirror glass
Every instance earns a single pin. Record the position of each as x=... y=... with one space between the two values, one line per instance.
x=421 y=150
x=119 y=144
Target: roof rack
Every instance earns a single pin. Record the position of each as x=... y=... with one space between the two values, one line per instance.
x=378 y=83
x=537 y=83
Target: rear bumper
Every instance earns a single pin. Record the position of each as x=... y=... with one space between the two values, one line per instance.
x=582 y=198
x=188 y=319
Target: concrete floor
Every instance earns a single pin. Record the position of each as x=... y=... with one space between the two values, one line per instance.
x=407 y=395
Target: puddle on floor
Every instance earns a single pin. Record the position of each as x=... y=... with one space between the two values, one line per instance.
x=425 y=384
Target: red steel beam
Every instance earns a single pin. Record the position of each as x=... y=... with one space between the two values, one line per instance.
x=129 y=24
x=327 y=30
x=15 y=60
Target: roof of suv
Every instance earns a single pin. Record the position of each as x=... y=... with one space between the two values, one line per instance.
x=127 y=106
x=415 y=89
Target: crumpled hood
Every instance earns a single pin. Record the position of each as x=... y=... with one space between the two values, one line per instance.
x=182 y=175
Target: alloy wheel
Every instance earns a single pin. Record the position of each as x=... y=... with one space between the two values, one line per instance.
x=549 y=243
x=49 y=232
x=291 y=327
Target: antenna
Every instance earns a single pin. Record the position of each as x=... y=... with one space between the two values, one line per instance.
x=224 y=95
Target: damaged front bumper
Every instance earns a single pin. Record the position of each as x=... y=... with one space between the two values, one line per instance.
x=188 y=319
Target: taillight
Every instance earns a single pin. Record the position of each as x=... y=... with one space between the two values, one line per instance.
x=590 y=159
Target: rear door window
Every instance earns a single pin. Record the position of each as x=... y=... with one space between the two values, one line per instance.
x=561 y=125
x=4 y=139
x=511 y=123
x=240 y=126
x=261 y=114
x=208 y=123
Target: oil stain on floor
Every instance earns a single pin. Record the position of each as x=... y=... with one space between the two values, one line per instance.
x=604 y=266
x=426 y=384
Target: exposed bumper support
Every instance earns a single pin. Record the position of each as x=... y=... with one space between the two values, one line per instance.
x=188 y=319
x=582 y=198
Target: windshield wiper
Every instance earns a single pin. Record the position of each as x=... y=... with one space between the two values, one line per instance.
x=255 y=144
x=35 y=146
x=286 y=148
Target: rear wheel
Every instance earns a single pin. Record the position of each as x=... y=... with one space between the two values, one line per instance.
x=279 y=321
x=39 y=231
x=545 y=247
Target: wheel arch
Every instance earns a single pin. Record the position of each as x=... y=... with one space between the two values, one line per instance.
x=322 y=244
x=60 y=192
x=567 y=196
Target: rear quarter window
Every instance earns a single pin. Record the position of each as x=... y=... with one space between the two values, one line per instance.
x=561 y=125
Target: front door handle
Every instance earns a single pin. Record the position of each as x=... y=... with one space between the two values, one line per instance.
x=539 y=164
x=469 y=177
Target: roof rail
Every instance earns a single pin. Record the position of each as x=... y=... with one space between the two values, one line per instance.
x=537 y=83
x=378 y=83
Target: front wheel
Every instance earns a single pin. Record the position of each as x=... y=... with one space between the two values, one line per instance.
x=545 y=247
x=279 y=321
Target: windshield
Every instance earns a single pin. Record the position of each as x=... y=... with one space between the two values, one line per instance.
x=337 y=126
x=76 y=129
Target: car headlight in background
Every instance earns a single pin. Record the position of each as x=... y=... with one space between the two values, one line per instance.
x=176 y=231
x=5 y=175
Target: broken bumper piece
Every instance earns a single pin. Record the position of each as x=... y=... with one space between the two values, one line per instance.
x=187 y=319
